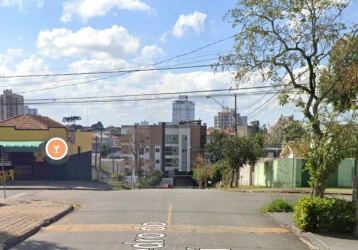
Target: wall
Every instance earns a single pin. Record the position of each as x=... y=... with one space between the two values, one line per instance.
x=278 y=173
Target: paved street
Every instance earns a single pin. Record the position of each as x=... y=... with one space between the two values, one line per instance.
x=191 y=219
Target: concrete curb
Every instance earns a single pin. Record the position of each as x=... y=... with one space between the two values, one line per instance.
x=16 y=240
x=311 y=240
x=282 y=191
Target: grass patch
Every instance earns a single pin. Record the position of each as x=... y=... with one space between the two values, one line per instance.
x=277 y=206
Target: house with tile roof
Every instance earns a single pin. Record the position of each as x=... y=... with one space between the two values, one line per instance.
x=24 y=138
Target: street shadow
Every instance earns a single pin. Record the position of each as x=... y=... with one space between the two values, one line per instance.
x=342 y=236
x=60 y=184
x=40 y=245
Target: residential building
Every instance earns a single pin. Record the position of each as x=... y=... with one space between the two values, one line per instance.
x=30 y=111
x=10 y=105
x=226 y=119
x=24 y=138
x=183 y=110
x=169 y=148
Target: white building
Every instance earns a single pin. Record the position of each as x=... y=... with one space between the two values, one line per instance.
x=226 y=120
x=183 y=110
x=30 y=111
x=10 y=105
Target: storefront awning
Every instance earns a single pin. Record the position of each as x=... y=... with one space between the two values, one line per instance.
x=21 y=146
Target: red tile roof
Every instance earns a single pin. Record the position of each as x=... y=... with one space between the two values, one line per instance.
x=26 y=121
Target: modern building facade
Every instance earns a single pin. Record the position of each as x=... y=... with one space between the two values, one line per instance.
x=30 y=111
x=169 y=148
x=226 y=120
x=10 y=105
x=183 y=110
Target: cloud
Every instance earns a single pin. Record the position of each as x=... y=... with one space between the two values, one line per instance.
x=163 y=37
x=194 y=21
x=148 y=53
x=8 y=3
x=114 y=42
x=40 y=3
x=32 y=65
x=14 y=52
x=86 y=9
x=98 y=65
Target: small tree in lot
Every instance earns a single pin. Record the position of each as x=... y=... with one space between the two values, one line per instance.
x=154 y=178
x=134 y=144
x=202 y=171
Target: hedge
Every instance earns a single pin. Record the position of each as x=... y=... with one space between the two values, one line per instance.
x=314 y=214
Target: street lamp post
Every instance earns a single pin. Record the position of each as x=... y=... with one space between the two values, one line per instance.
x=234 y=114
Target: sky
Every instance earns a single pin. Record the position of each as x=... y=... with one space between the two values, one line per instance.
x=172 y=43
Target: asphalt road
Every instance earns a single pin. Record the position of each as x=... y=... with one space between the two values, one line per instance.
x=186 y=219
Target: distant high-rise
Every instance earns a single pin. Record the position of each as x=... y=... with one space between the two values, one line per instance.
x=30 y=111
x=226 y=120
x=183 y=110
x=10 y=105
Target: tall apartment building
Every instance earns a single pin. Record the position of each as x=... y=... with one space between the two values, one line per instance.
x=183 y=110
x=30 y=111
x=169 y=148
x=10 y=105
x=226 y=120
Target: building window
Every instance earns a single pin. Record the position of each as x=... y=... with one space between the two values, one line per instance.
x=147 y=138
x=183 y=150
x=146 y=150
x=141 y=151
x=157 y=161
x=175 y=161
x=184 y=163
x=157 y=150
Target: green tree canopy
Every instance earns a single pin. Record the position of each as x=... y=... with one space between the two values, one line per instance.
x=285 y=43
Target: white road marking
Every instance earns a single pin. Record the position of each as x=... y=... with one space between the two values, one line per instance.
x=17 y=195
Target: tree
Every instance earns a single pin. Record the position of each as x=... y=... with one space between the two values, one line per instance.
x=284 y=42
x=291 y=131
x=134 y=144
x=104 y=150
x=239 y=151
x=221 y=172
x=71 y=119
x=154 y=178
x=201 y=171
x=213 y=151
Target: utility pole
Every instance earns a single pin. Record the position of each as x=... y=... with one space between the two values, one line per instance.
x=95 y=158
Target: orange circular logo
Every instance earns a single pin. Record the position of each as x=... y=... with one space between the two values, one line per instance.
x=56 y=148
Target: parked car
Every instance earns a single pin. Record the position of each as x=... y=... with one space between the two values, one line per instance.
x=166 y=186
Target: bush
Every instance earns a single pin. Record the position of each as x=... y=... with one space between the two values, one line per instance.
x=314 y=214
x=277 y=206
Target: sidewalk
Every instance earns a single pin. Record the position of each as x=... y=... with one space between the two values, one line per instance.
x=21 y=219
x=56 y=185
x=329 y=191
x=320 y=241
